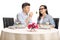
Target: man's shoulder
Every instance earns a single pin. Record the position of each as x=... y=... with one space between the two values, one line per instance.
x=20 y=13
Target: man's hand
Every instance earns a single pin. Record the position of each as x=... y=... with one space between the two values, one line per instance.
x=29 y=17
x=30 y=14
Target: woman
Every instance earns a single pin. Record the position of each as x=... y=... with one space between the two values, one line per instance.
x=44 y=17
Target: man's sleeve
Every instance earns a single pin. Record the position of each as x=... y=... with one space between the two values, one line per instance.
x=20 y=18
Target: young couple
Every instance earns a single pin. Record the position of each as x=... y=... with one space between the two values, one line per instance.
x=25 y=18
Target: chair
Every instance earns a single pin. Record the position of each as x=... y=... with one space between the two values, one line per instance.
x=56 y=20
x=8 y=22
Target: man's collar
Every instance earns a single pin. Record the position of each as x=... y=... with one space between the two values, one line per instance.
x=24 y=13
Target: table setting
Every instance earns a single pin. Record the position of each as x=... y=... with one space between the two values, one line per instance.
x=29 y=32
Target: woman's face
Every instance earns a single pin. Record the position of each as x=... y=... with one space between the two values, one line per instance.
x=42 y=10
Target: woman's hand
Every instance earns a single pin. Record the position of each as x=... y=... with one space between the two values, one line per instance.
x=51 y=26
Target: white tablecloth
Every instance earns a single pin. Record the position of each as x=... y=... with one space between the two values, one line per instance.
x=24 y=34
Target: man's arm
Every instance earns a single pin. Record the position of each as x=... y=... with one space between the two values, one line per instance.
x=20 y=18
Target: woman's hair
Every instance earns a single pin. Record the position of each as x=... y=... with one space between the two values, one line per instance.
x=40 y=15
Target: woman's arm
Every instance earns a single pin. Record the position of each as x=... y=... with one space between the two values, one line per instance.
x=51 y=20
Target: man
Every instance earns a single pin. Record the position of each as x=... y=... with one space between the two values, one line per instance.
x=23 y=17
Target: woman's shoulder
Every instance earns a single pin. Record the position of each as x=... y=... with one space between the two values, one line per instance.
x=49 y=16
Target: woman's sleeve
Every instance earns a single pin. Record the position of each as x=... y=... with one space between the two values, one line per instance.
x=51 y=20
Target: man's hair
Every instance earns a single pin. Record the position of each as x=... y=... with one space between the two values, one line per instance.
x=25 y=4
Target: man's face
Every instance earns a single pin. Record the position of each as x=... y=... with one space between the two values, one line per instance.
x=26 y=9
